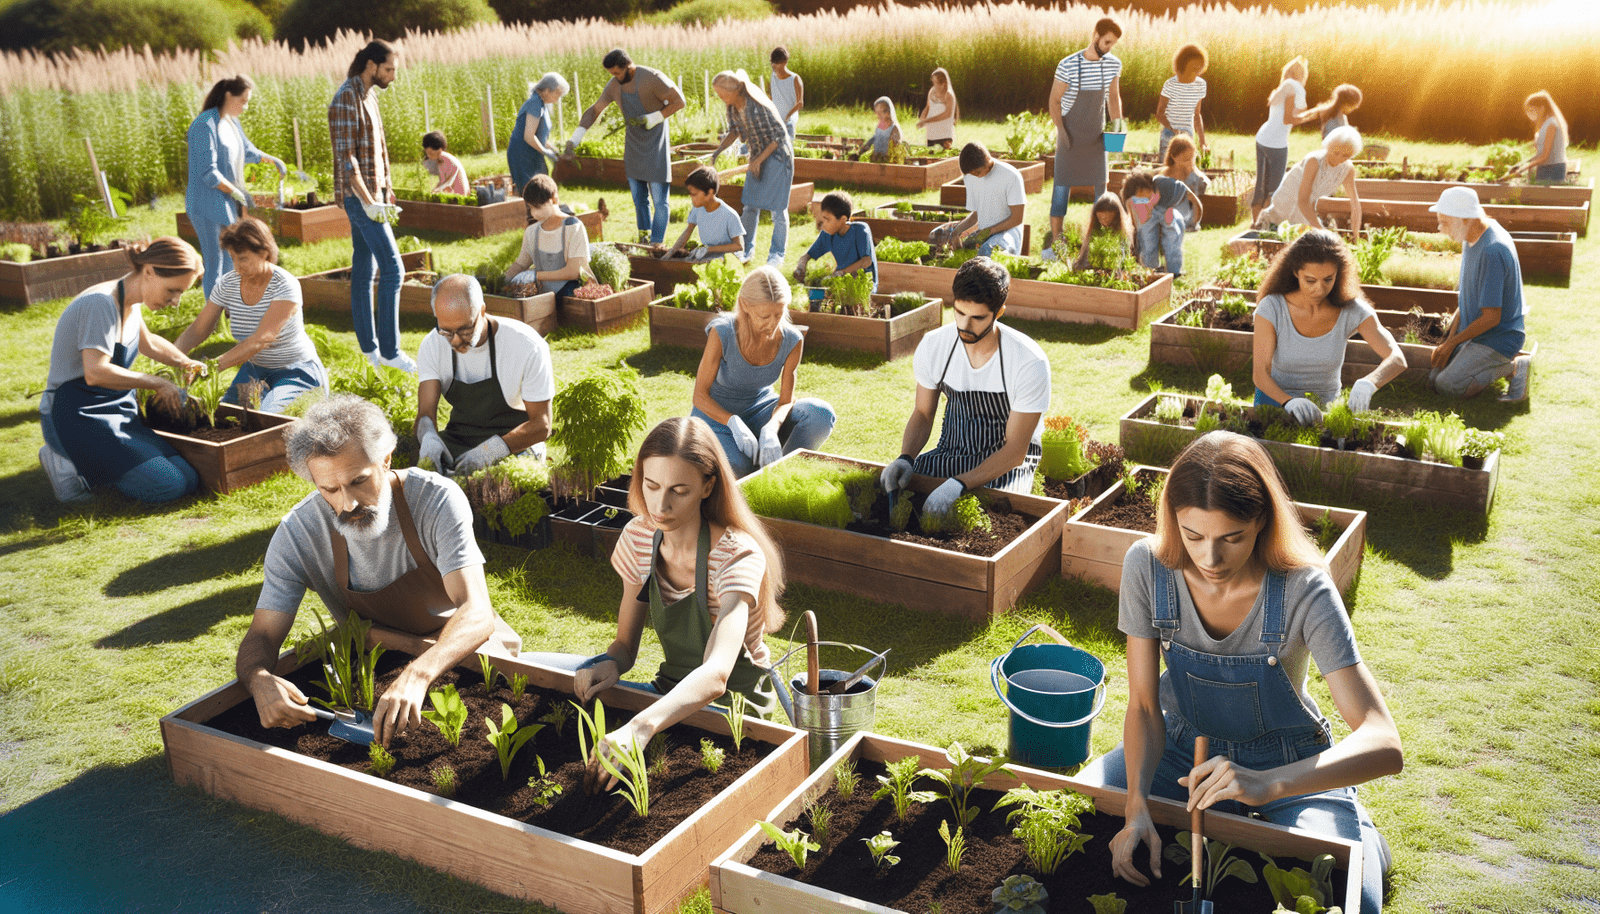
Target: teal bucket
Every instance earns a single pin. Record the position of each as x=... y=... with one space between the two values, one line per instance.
x=1115 y=141
x=1051 y=694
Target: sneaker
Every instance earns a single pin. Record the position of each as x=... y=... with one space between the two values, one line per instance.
x=401 y=361
x=69 y=487
x=372 y=356
x=1521 y=374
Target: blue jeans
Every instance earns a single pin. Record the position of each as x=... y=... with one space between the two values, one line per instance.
x=751 y=217
x=646 y=193
x=1167 y=134
x=1157 y=239
x=374 y=250
x=1553 y=173
x=218 y=261
x=284 y=385
x=1009 y=241
x=809 y=424
x=1061 y=193
x=159 y=479
x=1270 y=166
x=1472 y=367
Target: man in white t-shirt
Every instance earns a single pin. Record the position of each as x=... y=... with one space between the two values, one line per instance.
x=998 y=384
x=494 y=373
x=997 y=199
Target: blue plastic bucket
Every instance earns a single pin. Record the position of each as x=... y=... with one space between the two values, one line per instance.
x=817 y=294
x=1051 y=694
x=1115 y=141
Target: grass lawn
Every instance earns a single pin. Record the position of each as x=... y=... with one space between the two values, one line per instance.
x=116 y=613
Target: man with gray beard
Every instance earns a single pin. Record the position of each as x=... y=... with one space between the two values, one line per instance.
x=395 y=547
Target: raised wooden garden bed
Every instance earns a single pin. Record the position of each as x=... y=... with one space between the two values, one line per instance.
x=1350 y=475
x=890 y=337
x=883 y=223
x=954 y=192
x=739 y=888
x=617 y=311
x=537 y=311
x=919 y=576
x=1509 y=194
x=1414 y=215
x=499 y=853
x=307 y=226
x=330 y=289
x=666 y=275
x=1541 y=255
x=1095 y=551
x=800 y=195
x=674 y=326
x=510 y=214
x=589 y=170
x=916 y=176
x=43 y=279
x=238 y=462
x=1040 y=301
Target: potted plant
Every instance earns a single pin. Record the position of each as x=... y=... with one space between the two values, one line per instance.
x=1073 y=466
x=511 y=502
x=597 y=418
x=680 y=319
x=612 y=300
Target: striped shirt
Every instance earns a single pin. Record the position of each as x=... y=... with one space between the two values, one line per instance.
x=356 y=129
x=1093 y=75
x=735 y=565
x=292 y=344
x=1182 y=100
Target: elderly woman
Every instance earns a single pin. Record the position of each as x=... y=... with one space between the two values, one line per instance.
x=262 y=301
x=753 y=118
x=529 y=147
x=218 y=151
x=1308 y=307
x=1318 y=174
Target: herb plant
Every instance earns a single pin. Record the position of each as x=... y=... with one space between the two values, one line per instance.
x=519 y=686
x=896 y=785
x=845 y=778
x=1325 y=531
x=1207 y=422
x=954 y=845
x=965 y=774
x=906 y=302
x=557 y=717
x=807 y=491
x=89 y=222
x=382 y=762
x=852 y=293
x=449 y=713
x=490 y=674
x=544 y=787
x=597 y=417
x=1192 y=316
x=894 y=250
x=509 y=737
x=444 y=781
x=880 y=845
x=900 y=513
x=1169 y=410
x=506 y=493
x=1108 y=904
x=736 y=711
x=629 y=768
x=821 y=816
x=1220 y=862
x=1479 y=444
x=711 y=755
x=1020 y=894
x=348 y=667
x=794 y=843
x=1046 y=824
x=965 y=516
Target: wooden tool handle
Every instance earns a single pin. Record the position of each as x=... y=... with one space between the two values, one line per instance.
x=813 y=662
x=1197 y=841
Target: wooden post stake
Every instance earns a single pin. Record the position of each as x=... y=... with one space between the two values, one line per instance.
x=488 y=117
x=299 y=163
x=706 y=89
x=99 y=178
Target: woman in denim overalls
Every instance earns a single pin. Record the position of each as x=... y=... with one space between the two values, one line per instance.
x=1233 y=596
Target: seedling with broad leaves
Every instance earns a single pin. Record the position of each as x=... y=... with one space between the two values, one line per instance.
x=449 y=713
x=896 y=786
x=711 y=756
x=1220 y=862
x=880 y=845
x=544 y=787
x=954 y=845
x=794 y=843
x=509 y=737
x=1046 y=824
x=965 y=774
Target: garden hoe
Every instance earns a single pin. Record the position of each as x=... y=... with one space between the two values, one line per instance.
x=350 y=726
x=1197 y=843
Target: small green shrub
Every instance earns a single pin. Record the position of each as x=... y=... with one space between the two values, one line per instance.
x=596 y=419
x=610 y=266
x=16 y=252
x=965 y=516
x=904 y=302
x=808 y=491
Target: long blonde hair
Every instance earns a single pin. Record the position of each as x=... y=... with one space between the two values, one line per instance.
x=739 y=81
x=1283 y=75
x=764 y=286
x=690 y=439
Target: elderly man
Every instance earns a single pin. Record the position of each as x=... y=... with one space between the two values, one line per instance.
x=1486 y=333
x=394 y=547
x=495 y=374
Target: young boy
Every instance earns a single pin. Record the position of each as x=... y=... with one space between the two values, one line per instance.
x=1178 y=109
x=788 y=89
x=1158 y=224
x=452 y=176
x=849 y=242
x=721 y=231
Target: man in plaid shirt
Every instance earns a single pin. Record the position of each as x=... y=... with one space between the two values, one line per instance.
x=363 y=183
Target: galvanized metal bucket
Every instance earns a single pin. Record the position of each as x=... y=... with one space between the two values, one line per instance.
x=829 y=719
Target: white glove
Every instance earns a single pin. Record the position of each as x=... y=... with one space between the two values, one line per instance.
x=700 y=253
x=896 y=475
x=481 y=456
x=942 y=498
x=1303 y=411
x=653 y=120
x=282 y=166
x=377 y=212
x=1361 y=395
x=241 y=197
x=432 y=446
x=743 y=438
x=577 y=137
x=942 y=234
x=771 y=447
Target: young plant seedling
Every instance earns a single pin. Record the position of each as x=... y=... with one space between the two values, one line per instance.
x=954 y=845
x=711 y=756
x=821 y=816
x=794 y=843
x=557 y=717
x=1169 y=410
x=545 y=789
x=444 y=781
x=845 y=778
x=965 y=516
x=382 y=761
x=900 y=514
x=736 y=704
x=629 y=768
x=348 y=667
x=897 y=786
x=1220 y=862
x=1108 y=904
x=1020 y=895
x=880 y=845
x=509 y=737
x=1047 y=823
x=490 y=674
x=966 y=773
x=1291 y=889
x=519 y=686
x=449 y=713
x=656 y=754
x=1325 y=531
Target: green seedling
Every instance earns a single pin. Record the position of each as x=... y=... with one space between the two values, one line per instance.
x=966 y=774
x=900 y=514
x=1479 y=444
x=490 y=673
x=845 y=779
x=1339 y=421
x=1220 y=862
x=519 y=683
x=1108 y=904
x=1019 y=895
x=1290 y=888
x=1191 y=316
x=736 y=706
x=896 y=785
x=629 y=767
x=1046 y=824
x=1234 y=305
x=449 y=713
x=349 y=668
x=711 y=755
x=880 y=845
x=1169 y=410
x=509 y=737
x=965 y=516
x=444 y=781
x=794 y=843
x=545 y=789
x=557 y=718
x=821 y=816
x=1325 y=531
x=382 y=762
x=656 y=754
x=954 y=845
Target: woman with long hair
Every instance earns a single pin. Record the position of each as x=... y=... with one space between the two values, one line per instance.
x=1285 y=109
x=218 y=151
x=753 y=118
x=1106 y=217
x=746 y=354
x=1548 y=164
x=699 y=567
x=1308 y=306
x=1319 y=174
x=1231 y=594
x=940 y=113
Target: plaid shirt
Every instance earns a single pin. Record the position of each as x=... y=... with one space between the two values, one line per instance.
x=356 y=128
x=759 y=126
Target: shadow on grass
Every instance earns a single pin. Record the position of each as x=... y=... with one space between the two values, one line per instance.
x=20 y=417
x=190 y=566
x=1059 y=332
x=659 y=360
x=26 y=500
x=185 y=623
x=1423 y=538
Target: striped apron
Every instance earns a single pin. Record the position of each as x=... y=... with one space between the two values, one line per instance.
x=974 y=428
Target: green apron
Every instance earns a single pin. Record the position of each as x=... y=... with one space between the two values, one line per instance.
x=478 y=410
x=685 y=628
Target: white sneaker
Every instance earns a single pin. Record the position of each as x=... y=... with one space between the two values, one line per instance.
x=401 y=361
x=70 y=488
x=1517 y=386
x=373 y=357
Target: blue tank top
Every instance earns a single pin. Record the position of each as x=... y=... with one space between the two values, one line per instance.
x=739 y=386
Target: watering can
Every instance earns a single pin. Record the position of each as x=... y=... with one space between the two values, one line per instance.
x=830 y=705
x=1049 y=692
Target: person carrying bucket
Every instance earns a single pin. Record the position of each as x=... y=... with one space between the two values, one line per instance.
x=1233 y=596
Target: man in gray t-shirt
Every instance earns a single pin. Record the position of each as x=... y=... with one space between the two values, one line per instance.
x=396 y=548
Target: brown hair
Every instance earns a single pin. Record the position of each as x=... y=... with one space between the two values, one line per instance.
x=1107 y=24
x=434 y=139
x=167 y=256
x=229 y=85
x=703 y=179
x=1315 y=246
x=539 y=190
x=1121 y=224
x=1543 y=100
x=1139 y=180
x=1177 y=146
x=690 y=439
x=376 y=51
x=1187 y=53
x=1222 y=471
x=250 y=234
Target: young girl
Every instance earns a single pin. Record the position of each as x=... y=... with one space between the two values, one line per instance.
x=699 y=567
x=452 y=176
x=1285 y=108
x=1158 y=225
x=939 y=115
x=1179 y=163
x=721 y=232
x=1236 y=600
x=1549 y=161
x=555 y=246
x=1178 y=109
x=1106 y=217
x=887 y=134
x=1335 y=112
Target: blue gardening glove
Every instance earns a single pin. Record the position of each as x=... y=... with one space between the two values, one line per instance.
x=743 y=438
x=490 y=451
x=1361 y=395
x=771 y=447
x=1303 y=411
x=433 y=448
x=896 y=475
x=942 y=498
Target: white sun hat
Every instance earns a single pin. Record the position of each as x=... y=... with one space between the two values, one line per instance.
x=1461 y=202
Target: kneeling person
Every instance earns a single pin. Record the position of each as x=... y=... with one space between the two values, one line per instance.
x=394 y=547
x=998 y=201
x=495 y=374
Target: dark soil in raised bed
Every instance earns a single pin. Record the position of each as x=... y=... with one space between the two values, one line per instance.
x=1381 y=440
x=1423 y=329
x=601 y=819
x=1137 y=514
x=1004 y=527
x=922 y=878
x=191 y=424
x=1218 y=319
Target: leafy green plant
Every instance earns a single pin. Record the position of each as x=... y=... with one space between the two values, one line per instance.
x=557 y=717
x=1169 y=410
x=906 y=302
x=1372 y=252
x=895 y=250
x=90 y=224
x=1046 y=824
x=1339 y=421
x=1207 y=421
x=1108 y=252
x=16 y=252
x=1479 y=444
x=736 y=712
x=519 y=686
x=544 y=787
x=380 y=759
x=1220 y=862
x=509 y=737
x=1432 y=436
x=797 y=844
x=629 y=767
x=1240 y=273
x=208 y=389
x=845 y=779
x=900 y=512
x=1218 y=390
x=449 y=713
x=1325 y=531
x=966 y=773
x=821 y=816
x=1288 y=887
x=444 y=781
x=490 y=674
x=596 y=419
x=1108 y=904
x=348 y=666
x=880 y=845
x=610 y=266
x=805 y=490
x=954 y=845
x=1020 y=894
x=966 y=515
x=1234 y=305
x=896 y=786
x=711 y=755
x=1194 y=315
x=1309 y=436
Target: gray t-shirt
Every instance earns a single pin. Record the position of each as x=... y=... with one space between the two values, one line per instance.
x=721 y=226
x=300 y=556
x=1317 y=626
x=92 y=321
x=1303 y=363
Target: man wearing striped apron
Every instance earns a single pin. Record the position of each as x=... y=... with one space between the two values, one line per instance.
x=998 y=384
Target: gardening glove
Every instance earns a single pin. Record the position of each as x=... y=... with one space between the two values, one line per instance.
x=940 y=236
x=377 y=212
x=743 y=438
x=771 y=447
x=1361 y=395
x=942 y=498
x=700 y=253
x=282 y=166
x=1303 y=411
x=653 y=120
x=577 y=138
x=490 y=451
x=896 y=475
x=242 y=198
x=432 y=446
